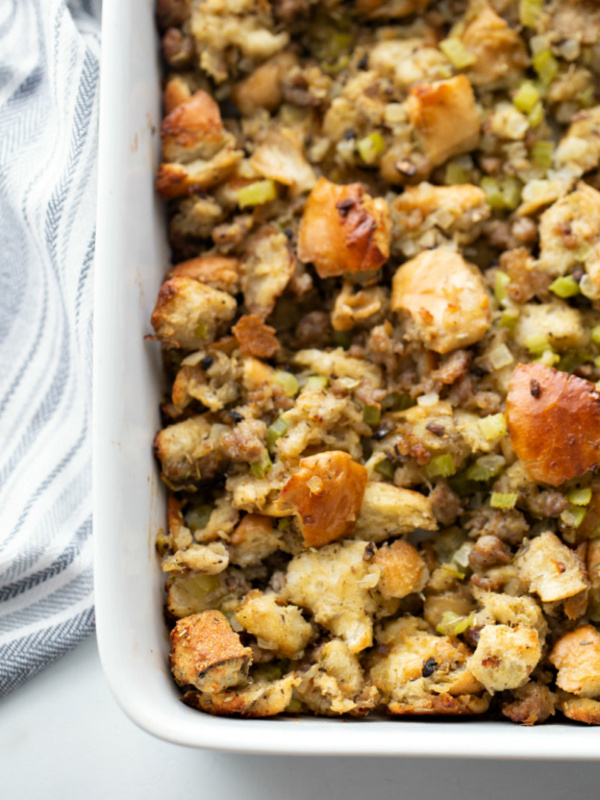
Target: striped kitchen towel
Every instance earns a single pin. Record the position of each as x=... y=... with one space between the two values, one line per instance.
x=49 y=72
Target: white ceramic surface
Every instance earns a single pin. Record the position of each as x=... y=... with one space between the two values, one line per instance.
x=132 y=256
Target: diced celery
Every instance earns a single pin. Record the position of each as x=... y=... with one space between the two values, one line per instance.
x=580 y=497
x=456 y=53
x=511 y=193
x=485 y=468
x=501 y=357
x=549 y=358
x=201 y=330
x=509 y=319
x=275 y=431
x=333 y=66
x=256 y=194
x=573 y=516
x=294 y=706
x=526 y=97
x=451 y=570
x=453 y=624
x=596 y=334
x=316 y=382
x=287 y=381
x=587 y=98
x=542 y=154
x=398 y=402
x=537 y=344
x=371 y=415
x=202 y=585
x=492 y=427
x=456 y=174
x=501 y=281
x=529 y=12
x=442 y=466
x=536 y=115
x=546 y=66
x=371 y=147
x=493 y=191
x=503 y=499
x=565 y=286
x=260 y=468
x=386 y=469
x=597 y=361
x=197 y=517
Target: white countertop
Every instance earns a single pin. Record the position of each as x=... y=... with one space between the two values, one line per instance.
x=63 y=737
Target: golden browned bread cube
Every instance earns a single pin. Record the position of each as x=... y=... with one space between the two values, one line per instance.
x=554 y=423
x=326 y=493
x=505 y=657
x=343 y=230
x=277 y=626
x=576 y=656
x=551 y=569
x=254 y=337
x=207 y=654
x=403 y=571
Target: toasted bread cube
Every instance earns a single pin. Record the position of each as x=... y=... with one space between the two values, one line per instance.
x=207 y=559
x=192 y=130
x=576 y=656
x=562 y=325
x=326 y=494
x=554 y=423
x=500 y=53
x=263 y=87
x=533 y=703
x=333 y=583
x=216 y=271
x=281 y=158
x=179 y=180
x=552 y=570
x=277 y=626
x=336 y=684
x=570 y=224
x=508 y=610
x=579 y=149
x=258 y=699
x=403 y=571
x=389 y=511
x=505 y=657
x=207 y=654
x=267 y=267
x=254 y=337
x=189 y=314
x=443 y=299
x=343 y=229
x=580 y=709
x=254 y=539
x=423 y=673
x=338 y=363
x=463 y=205
x=445 y=118
x=352 y=308
x=181 y=449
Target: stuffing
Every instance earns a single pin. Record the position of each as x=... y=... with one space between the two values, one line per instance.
x=445 y=118
x=257 y=699
x=207 y=654
x=333 y=584
x=562 y=326
x=442 y=299
x=326 y=493
x=389 y=511
x=218 y=272
x=189 y=314
x=222 y=28
x=267 y=266
x=532 y=704
x=189 y=450
x=498 y=52
x=281 y=157
x=569 y=229
x=554 y=423
x=551 y=569
x=335 y=683
x=254 y=539
x=419 y=672
x=277 y=626
x=380 y=331
x=576 y=656
x=343 y=230
x=403 y=571
x=505 y=657
x=254 y=337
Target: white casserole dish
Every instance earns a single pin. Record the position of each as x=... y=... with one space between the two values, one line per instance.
x=129 y=502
